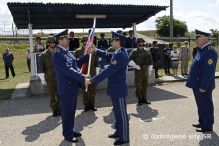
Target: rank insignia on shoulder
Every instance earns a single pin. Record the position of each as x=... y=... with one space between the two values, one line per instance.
x=210 y=48
x=210 y=61
x=114 y=62
x=56 y=50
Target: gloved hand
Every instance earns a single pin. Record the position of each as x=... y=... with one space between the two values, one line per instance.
x=133 y=64
x=150 y=70
x=137 y=67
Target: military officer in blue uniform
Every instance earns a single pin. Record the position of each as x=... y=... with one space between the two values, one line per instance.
x=117 y=86
x=102 y=43
x=202 y=81
x=69 y=79
x=131 y=40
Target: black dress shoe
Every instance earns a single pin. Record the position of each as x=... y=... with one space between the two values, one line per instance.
x=73 y=140
x=204 y=130
x=77 y=134
x=196 y=125
x=113 y=136
x=119 y=142
x=93 y=108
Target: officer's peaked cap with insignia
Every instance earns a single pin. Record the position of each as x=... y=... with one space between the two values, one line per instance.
x=116 y=36
x=201 y=33
x=63 y=36
x=139 y=40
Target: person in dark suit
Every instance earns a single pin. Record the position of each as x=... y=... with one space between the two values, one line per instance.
x=8 y=61
x=73 y=42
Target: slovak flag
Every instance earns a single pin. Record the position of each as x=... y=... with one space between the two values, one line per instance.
x=88 y=45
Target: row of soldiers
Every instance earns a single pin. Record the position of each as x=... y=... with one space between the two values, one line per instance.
x=140 y=56
x=102 y=43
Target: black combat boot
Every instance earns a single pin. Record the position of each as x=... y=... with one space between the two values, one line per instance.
x=140 y=101
x=145 y=101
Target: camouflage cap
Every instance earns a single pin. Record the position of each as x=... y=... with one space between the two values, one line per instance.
x=51 y=39
x=139 y=40
x=84 y=39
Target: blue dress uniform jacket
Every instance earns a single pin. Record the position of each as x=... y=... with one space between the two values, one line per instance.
x=131 y=42
x=102 y=44
x=202 y=76
x=202 y=70
x=66 y=66
x=117 y=89
x=68 y=82
x=116 y=73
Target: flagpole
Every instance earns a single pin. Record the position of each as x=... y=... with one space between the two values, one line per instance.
x=90 y=56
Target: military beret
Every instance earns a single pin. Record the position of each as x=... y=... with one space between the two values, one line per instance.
x=201 y=33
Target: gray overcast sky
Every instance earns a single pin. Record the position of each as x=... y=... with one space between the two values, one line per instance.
x=197 y=14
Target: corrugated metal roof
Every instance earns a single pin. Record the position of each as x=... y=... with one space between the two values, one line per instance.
x=63 y=15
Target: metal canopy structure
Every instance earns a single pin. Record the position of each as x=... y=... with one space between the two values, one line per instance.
x=66 y=15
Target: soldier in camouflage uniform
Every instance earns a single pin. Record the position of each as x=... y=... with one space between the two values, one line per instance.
x=89 y=96
x=47 y=67
x=142 y=60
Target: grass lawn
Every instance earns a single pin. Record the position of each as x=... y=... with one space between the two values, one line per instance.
x=22 y=75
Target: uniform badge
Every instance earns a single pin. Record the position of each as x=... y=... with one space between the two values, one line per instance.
x=210 y=61
x=114 y=62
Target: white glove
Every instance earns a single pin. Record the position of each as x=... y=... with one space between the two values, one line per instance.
x=150 y=70
x=105 y=66
x=137 y=67
x=133 y=64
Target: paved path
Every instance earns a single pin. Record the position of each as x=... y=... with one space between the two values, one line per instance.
x=167 y=122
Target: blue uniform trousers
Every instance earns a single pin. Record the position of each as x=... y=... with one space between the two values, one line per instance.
x=121 y=116
x=68 y=108
x=205 y=108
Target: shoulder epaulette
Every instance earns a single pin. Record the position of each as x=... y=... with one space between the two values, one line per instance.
x=57 y=50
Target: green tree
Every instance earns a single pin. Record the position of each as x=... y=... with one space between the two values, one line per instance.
x=163 y=26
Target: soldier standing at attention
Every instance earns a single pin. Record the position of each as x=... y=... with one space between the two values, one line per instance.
x=47 y=67
x=89 y=96
x=155 y=53
x=141 y=59
x=202 y=81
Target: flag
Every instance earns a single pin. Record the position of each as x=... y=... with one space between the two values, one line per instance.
x=88 y=45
